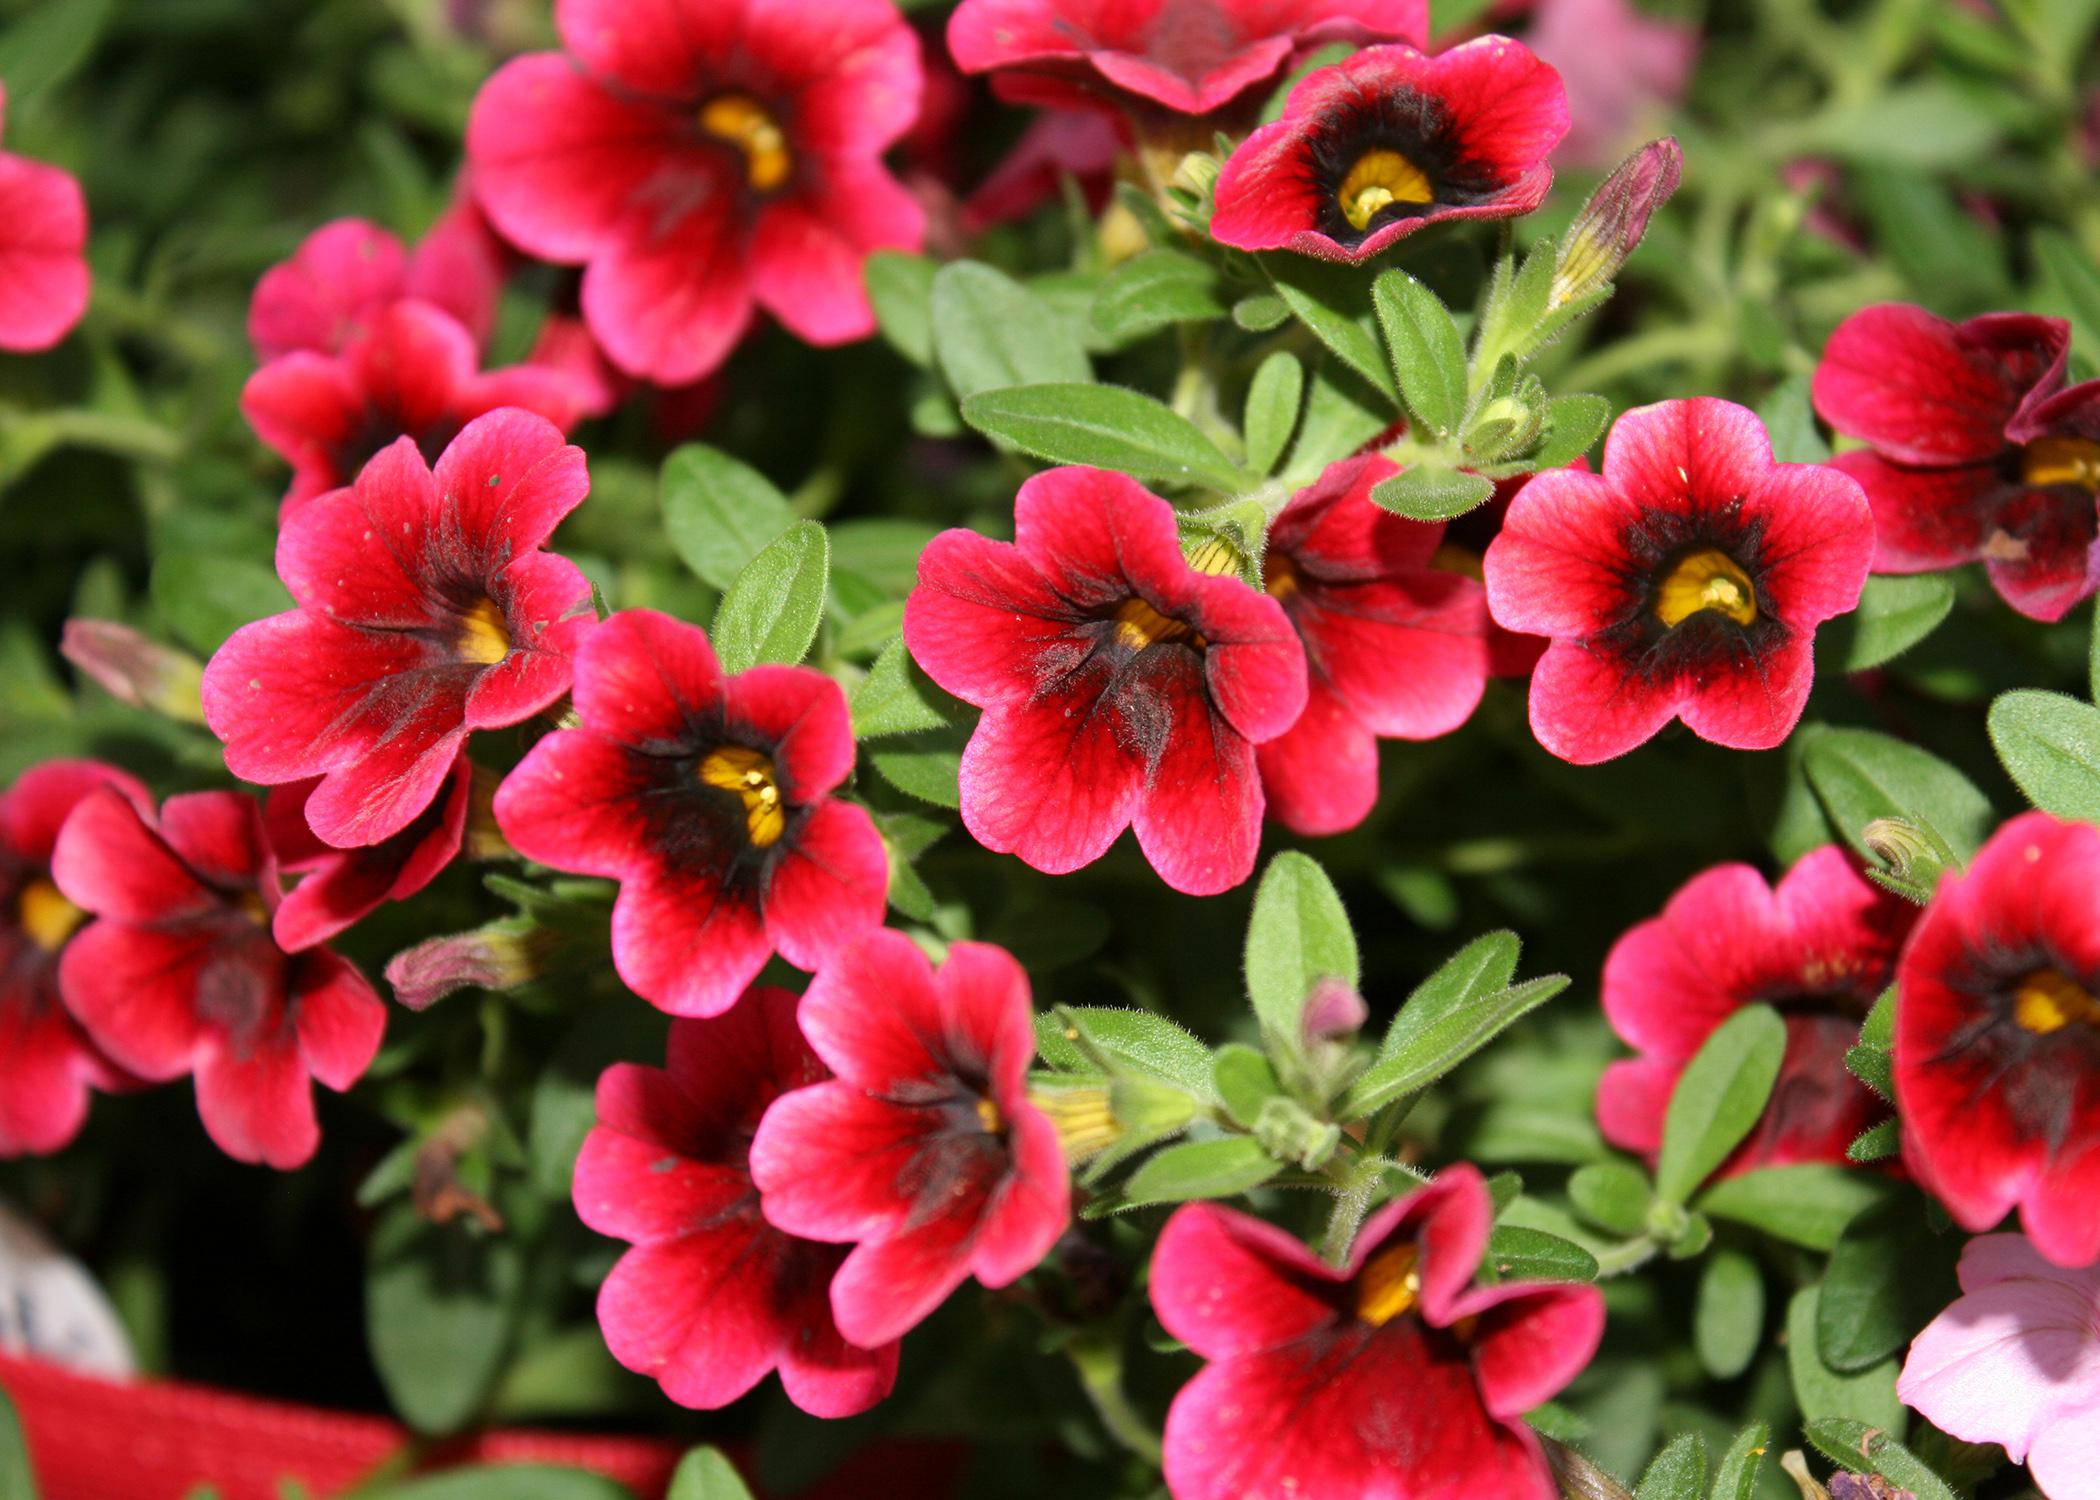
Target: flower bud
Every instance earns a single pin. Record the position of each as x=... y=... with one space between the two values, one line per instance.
x=1795 y=1467
x=500 y=956
x=135 y=669
x=1913 y=856
x=1579 y=1479
x=1288 y=1133
x=1611 y=224
x=1095 y=1115
x=1334 y=1011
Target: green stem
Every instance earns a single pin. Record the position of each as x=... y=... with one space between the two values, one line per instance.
x=1359 y=1184
x=1629 y=1255
x=133 y=437
x=1098 y=1359
x=1704 y=340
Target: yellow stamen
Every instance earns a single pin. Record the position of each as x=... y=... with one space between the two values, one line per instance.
x=1708 y=579
x=1139 y=625
x=1390 y=1284
x=750 y=775
x=1381 y=178
x=743 y=123
x=254 y=908
x=2049 y=1000
x=988 y=1116
x=45 y=915
x=1086 y=1122
x=2062 y=460
x=484 y=636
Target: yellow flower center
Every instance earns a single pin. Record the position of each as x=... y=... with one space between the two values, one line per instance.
x=484 y=637
x=1381 y=178
x=1139 y=625
x=2062 y=460
x=988 y=1117
x=1707 y=579
x=750 y=775
x=1390 y=1285
x=45 y=915
x=742 y=122
x=2049 y=1000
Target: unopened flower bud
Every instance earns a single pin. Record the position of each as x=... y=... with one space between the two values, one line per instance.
x=135 y=669
x=1334 y=1011
x=1913 y=856
x=1579 y=1479
x=1197 y=174
x=1288 y=1133
x=1093 y=1115
x=500 y=956
x=1611 y=224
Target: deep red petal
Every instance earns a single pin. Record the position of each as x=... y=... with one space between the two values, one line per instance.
x=641 y=1190
x=1817 y=541
x=46 y=1063
x=363 y=554
x=693 y=1313
x=647 y=680
x=1226 y=1283
x=35 y=808
x=798 y=715
x=986 y=624
x=888 y=1286
x=340 y=274
x=1587 y=708
x=1321 y=777
x=1926 y=391
x=685 y=941
x=661 y=47
x=506 y=482
x=828 y=1160
x=339 y=1018
x=1755 y=704
x=219 y=836
x=874 y=1014
x=829 y=886
x=1531 y=1341
x=1924 y=519
x=575 y=802
x=809 y=250
x=1199 y=816
x=43 y=275
x=111 y=861
x=1050 y=781
x=671 y=295
x=134 y=991
x=257 y=1102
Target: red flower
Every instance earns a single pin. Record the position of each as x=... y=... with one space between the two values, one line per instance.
x=1394 y=646
x=1821 y=947
x=1385 y=142
x=179 y=974
x=712 y=1297
x=43 y=232
x=709 y=799
x=411 y=372
x=1998 y=1038
x=698 y=156
x=348 y=272
x=1082 y=145
x=924 y=1151
x=1192 y=57
x=47 y=1064
x=344 y=886
x=1120 y=685
x=1466 y=540
x=1976 y=449
x=426 y=610
x=1390 y=1378
x=1686 y=580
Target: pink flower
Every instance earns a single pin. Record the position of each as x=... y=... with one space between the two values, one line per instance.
x=1121 y=686
x=1394 y=646
x=1685 y=581
x=924 y=1152
x=712 y=1297
x=43 y=232
x=47 y=1063
x=178 y=973
x=703 y=157
x=1625 y=71
x=709 y=798
x=1389 y=141
x=1192 y=57
x=426 y=610
x=2016 y=1361
x=348 y=272
x=1390 y=1378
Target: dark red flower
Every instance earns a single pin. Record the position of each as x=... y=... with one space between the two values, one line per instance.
x=47 y=1064
x=702 y=156
x=412 y=372
x=1395 y=647
x=1821 y=947
x=178 y=973
x=348 y=272
x=712 y=1297
x=1381 y=144
x=710 y=799
x=924 y=1151
x=1977 y=451
x=1685 y=581
x=1192 y=57
x=1391 y=1378
x=1998 y=1038
x=43 y=236
x=344 y=886
x=1121 y=685
x=426 y=610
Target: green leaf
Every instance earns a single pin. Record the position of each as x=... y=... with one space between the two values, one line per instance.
x=719 y=512
x=1155 y=289
x=1483 y=966
x=1894 y=614
x=1876 y=1142
x=1342 y=415
x=1949 y=257
x=1261 y=312
x=1678 y=1472
x=897 y=697
x=1718 y=1099
x=1200 y=1169
x=439 y=1306
x=1573 y=425
x=900 y=288
x=881 y=551
x=49 y=44
x=1427 y=354
x=927 y=765
x=1436 y=1049
x=1515 y=1253
x=772 y=611
x=1789 y=416
x=1298 y=935
x=1613 y=1195
x=1145 y=1043
x=1888 y=1275
x=2050 y=744
x=1930 y=124
x=990 y=333
x=564 y=1104
x=1273 y=399
x=1742 y=1464
x=1874 y=1067
x=1107 y=426
x=1868 y=1396
x=1244 y=1081
x=17 y=1482
x=205 y=598
x=507 y=1482
x=2074 y=283
x=1433 y=492
x=704 y=1474
x=1859 y=776
x=1807 y=1204
x=1728 y=1318
x=1330 y=301
x=1864 y=1448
